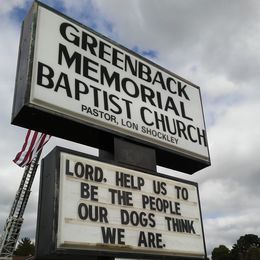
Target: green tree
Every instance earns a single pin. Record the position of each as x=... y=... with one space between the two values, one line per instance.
x=244 y=245
x=248 y=241
x=220 y=253
x=253 y=254
x=25 y=247
x=234 y=252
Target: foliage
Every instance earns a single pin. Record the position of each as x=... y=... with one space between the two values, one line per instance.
x=220 y=253
x=248 y=241
x=25 y=247
x=244 y=243
x=253 y=254
x=246 y=248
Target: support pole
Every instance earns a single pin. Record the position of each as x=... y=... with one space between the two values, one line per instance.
x=131 y=154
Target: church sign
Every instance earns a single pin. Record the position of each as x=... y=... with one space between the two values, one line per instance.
x=77 y=84
x=88 y=206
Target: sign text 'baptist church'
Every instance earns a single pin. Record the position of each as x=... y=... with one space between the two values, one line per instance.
x=84 y=77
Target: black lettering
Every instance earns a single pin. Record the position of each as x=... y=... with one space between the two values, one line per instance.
x=151 y=240
x=89 y=43
x=177 y=208
x=89 y=66
x=121 y=197
x=89 y=171
x=182 y=193
x=103 y=52
x=151 y=217
x=137 y=218
x=180 y=225
x=79 y=169
x=124 y=217
x=147 y=94
x=67 y=168
x=144 y=118
x=159 y=79
x=182 y=90
x=113 y=195
x=160 y=120
x=105 y=78
x=105 y=96
x=95 y=93
x=159 y=240
x=168 y=219
x=163 y=188
x=189 y=128
x=142 y=239
x=45 y=72
x=103 y=215
x=171 y=128
x=129 y=63
x=116 y=59
x=142 y=218
x=159 y=187
x=63 y=82
x=170 y=104
x=98 y=174
x=83 y=211
x=127 y=106
x=84 y=190
x=134 y=218
x=169 y=85
x=111 y=235
x=126 y=85
x=79 y=90
x=69 y=33
x=144 y=72
x=178 y=189
x=88 y=191
x=129 y=181
x=181 y=129
x=113 y=101
x=202 y=135
x=160 y=205
x=74 y=58
x=93 y=213
x=183 y=112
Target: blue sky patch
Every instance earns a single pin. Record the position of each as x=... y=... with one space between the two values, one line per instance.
x=150 y=54
x=18 y=13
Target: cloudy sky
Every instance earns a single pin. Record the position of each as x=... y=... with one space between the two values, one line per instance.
x=214 y=44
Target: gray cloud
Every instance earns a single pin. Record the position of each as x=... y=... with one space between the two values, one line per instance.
x=214 y=44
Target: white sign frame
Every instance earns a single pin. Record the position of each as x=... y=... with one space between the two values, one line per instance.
x=155 y=235
x=69 y=74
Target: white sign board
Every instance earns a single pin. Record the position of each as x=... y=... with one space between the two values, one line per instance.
x=81 y=75
x=111 y=208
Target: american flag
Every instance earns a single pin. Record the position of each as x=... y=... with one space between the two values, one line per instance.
x=34 y=142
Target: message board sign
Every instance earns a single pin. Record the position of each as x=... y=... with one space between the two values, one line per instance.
x=89 y=206
x=71 y=77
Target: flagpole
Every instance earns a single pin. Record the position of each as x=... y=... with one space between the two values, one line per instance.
x=14 y=221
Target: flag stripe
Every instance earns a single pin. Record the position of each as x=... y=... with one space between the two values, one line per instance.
x=38 y=145
x=18 y=156
x=34 y=142
x=33 y=151
x=26 y=147
x=30 y=149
